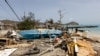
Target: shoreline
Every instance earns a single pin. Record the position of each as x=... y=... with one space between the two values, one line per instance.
x=93 y=36
x=97 y=34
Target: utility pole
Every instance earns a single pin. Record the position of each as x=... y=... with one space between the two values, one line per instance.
x=60 y=16
x=12 y=9
x=24 y=15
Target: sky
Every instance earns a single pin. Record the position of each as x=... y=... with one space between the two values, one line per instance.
x=81 y=11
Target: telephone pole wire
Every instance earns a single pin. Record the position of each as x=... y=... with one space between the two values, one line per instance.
x=12 y=9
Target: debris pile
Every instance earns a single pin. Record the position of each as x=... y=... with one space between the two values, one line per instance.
x=85 y=48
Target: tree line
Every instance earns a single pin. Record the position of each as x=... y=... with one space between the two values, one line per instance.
x=29 y=22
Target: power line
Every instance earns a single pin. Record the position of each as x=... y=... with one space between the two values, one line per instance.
x=5 y=10
x=12 y=9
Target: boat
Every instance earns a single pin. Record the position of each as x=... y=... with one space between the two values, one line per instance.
x=38 y=33
x=29 y=34
x=54 y=32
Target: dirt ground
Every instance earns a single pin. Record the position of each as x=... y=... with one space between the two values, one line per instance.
x=42 y=44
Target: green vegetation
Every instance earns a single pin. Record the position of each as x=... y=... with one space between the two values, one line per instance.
x=28 y=22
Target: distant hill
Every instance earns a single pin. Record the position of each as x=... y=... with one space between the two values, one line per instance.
x=72 y=23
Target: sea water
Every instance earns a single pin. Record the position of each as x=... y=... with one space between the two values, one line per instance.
x=93 y=31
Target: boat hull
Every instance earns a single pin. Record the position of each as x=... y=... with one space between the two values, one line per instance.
x=36 y=34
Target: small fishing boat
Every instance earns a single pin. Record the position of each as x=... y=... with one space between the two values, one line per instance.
x=29 y=34
x=43 y=32
x=54 y=32
x=38 y=33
